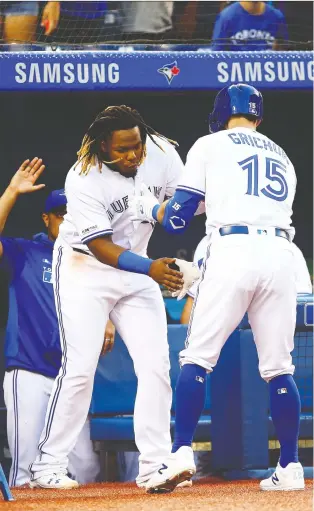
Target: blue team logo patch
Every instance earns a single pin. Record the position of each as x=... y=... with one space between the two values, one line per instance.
x=47 y=271
x=169 y=71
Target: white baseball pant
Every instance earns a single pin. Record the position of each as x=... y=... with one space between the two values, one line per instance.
x=86 y=292
x=245 y=273
x=26 y=396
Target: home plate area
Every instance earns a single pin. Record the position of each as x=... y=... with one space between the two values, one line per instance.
x=208 y=494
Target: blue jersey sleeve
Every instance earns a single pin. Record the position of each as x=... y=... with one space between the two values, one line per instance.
x=282 y=29
x=13 y=258
x=220 y=39
x=179 y=211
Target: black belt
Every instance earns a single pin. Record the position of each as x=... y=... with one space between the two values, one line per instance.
x=243 y=229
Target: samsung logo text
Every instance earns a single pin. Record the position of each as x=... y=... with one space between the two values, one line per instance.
x=68 y=72
x=265 y=71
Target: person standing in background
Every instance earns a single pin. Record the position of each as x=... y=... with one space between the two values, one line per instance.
x=32 y=344
x=74 y=22
x=19 y=21
x=249 y=26
x=147 y=20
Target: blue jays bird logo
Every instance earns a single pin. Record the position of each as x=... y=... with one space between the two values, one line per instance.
x=170 y=71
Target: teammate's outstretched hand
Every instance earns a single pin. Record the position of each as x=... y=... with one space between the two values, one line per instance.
x=161 y=273
x=25 y=178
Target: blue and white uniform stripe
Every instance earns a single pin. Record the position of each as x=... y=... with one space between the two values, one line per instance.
x=15 y=461
x=94 y=235
x=62 y=371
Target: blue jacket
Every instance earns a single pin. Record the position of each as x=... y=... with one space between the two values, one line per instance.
x=32 y=334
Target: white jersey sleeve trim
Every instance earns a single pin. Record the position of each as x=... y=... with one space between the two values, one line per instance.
x=97 y=234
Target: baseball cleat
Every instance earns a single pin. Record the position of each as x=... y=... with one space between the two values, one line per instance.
x=184 y=484
x=290 y=478
x=178 y=468
x=54 y=481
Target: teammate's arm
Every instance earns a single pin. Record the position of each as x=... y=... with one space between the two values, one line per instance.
x=90 y=212
x=23 y=181
x=175 y=214
x=109 y=253
x=186 y=312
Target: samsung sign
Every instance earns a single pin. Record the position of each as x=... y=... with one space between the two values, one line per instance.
x=66 y=72
x=265 y=71
x=154 y=70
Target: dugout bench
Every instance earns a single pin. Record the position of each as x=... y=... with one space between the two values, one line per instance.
x=236 y=416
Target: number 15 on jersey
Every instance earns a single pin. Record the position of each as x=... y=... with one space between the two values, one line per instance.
x=273 y=169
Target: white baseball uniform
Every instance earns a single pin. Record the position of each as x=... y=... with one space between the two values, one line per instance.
x=87 y=292
x=246 y=180
x=304 y=285
x=26 y=396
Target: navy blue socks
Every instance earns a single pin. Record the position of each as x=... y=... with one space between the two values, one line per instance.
x=190 y=400
x=285 y=410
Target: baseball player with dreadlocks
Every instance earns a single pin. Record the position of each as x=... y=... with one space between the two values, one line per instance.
x=249 y=185
x=100 y=268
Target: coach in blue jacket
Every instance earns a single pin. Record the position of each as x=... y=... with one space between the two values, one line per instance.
x=32 y=346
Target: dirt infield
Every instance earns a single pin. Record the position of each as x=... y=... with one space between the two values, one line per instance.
x=209 y=494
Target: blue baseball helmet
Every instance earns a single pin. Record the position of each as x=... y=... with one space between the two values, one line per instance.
x=235 y=100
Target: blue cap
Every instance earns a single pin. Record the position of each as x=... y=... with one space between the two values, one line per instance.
x=55 y=200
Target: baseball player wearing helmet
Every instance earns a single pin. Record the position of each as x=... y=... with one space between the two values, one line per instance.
x=32 y=343
x=249 y=185
x=101 y=268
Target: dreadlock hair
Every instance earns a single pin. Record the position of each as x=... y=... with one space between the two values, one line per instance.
x=113 y=118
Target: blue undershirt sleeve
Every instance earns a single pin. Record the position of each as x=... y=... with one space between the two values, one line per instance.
x=179 y=211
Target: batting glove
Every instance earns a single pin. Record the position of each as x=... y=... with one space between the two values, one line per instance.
x=191 y=274
x=141 y=206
